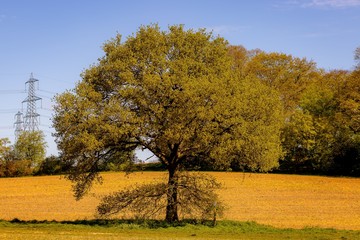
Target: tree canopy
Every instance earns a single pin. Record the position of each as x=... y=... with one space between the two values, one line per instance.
x=4 y=148
x=24 y=157
x=175 y=93
x=31 y=146
x=287 y=74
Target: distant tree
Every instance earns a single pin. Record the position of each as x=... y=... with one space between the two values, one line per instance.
x=357 y=57
x=174 y=93
x=347 y=152
x=53 y=165
x=5 y=148
x=31 y=146
x=299 y=136
x=323 y=134
x=350 y=101
x=308 y=142
x=240 y=56
x=337 y=104
x=10 y=166
x=285 y=73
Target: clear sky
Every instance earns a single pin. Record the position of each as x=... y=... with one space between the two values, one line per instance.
x=57 y=39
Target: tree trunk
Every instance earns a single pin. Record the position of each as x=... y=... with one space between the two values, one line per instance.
x=172 y=196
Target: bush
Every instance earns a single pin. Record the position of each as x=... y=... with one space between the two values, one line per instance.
x=15 y=168
x=52 y=166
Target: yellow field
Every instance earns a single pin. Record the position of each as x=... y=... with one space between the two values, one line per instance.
x=289 y=201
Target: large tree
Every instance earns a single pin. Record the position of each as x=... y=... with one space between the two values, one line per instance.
x=176 y=94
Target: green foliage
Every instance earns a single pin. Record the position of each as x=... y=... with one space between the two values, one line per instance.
x=321 y=136
x=53 y=165
x=152 y=229
x=15 y=168
x=31 y=146
x=9 y=165
x=347 y=155
x=5 y=149
x=308 y=142
x=299 y=136
x=350 y=101
x=287 y=74
x=257 y=144
x=319 y=102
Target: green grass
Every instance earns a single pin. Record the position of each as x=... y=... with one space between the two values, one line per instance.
x=129 y=229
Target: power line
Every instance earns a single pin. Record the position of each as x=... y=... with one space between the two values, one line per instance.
x=44 y=125
x=7 y=111
x=46 y=91
x=11 y=91
x=43 y=96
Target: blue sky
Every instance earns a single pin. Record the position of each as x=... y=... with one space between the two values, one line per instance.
x=56 y=40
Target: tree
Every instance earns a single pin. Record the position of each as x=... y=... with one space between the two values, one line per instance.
x=52 y=165
x=323 y=134
x=285 y=73
x=31 y=146
x=350 y=101
x=347 y=155
x=240 y=57
x=308 y=141
x=299 y=136
x=174 y=93
x=5 y=149
x=10 y=166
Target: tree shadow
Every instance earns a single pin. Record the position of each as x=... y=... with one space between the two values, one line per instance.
x=142 y=223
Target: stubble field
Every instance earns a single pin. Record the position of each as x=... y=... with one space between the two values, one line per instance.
x=285 y=201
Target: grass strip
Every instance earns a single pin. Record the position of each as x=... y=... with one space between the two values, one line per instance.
x=155 y=229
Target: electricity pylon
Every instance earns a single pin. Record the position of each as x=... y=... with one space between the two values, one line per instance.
x=31 y=118
x=18 y=125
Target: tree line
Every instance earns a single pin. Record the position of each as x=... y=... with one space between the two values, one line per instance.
x=321 y=110
x=320 y=134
